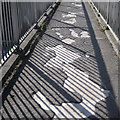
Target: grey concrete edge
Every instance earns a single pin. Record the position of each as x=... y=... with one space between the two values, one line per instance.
x=113 y=39
x=14 y=58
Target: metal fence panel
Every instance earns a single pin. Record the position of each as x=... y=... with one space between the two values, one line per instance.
x=111 y=12
x=15 y=20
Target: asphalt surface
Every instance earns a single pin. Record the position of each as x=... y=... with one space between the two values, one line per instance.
x=69 y=74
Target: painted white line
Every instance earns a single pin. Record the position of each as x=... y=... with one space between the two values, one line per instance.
x=73 y=33
x=70 y=21
x=68 y=41
x=59 y=34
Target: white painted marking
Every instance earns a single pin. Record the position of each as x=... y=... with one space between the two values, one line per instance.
x=57 y=29
x=78 y=5
x=70 y=21
x=76 y=13
x=40 y=99
x=87 y=55
x=85 y=34
x=68 y=15
x=71 y=110
x=78 y=82
x=46 y=54
x=59 y=34
x=72 y=13
x=68 y=41
x=62 y=56
x=73 y=33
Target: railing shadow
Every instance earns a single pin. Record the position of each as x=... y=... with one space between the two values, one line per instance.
x=101 y=66
x=33 y=76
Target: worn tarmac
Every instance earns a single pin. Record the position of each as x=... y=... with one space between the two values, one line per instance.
x=70 y=73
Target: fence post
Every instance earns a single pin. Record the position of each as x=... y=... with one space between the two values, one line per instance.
x=108 y=5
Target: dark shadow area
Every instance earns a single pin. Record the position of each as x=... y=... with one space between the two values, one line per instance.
x=102 y=68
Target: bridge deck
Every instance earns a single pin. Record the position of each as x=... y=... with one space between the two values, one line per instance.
x=66 y=75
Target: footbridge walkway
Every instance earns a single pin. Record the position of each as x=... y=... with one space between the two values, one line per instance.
x=70 y=72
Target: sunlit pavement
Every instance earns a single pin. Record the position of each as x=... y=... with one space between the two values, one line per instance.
x=65 y=76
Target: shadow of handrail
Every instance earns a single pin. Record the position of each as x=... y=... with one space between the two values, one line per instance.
x=105 y=79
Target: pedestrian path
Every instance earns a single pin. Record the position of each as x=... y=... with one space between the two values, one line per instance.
x=61 y=78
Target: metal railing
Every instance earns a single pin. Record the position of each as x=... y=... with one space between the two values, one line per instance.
x=16 y=19
x=110 y=10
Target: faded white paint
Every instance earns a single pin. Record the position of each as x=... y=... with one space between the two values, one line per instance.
x=68 y=15
x=70 y=21
x=85 y=34
x=78 y=82
x=59 y=34
x=78 y=5
x=72 y=13
x=40 y=99
x=68 y=41
x=75 y=13
x=56 y=29
x=73 y=33
x=87 y=55
x=66 y=110
x=62 y=56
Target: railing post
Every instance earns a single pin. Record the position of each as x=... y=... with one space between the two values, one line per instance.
x=108 y=4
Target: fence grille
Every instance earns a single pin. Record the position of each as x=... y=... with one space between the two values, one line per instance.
x=16 y=18
x=111 y=13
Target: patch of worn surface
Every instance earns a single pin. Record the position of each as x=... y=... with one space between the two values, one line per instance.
x=59 y=34
x=85 y=34
x=73 y=33
x=70 y=21
x=68 y=41
x=77 y=82
x=62 y=56
x=68 y=15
